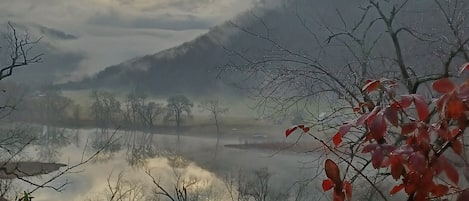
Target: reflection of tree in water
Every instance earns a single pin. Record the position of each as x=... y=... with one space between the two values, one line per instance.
x=137 y=155
x=178 y=161
x=49 y=107
x=13 y=140
x=140 y=147
x=75 y=137
x=120 y=188
x=100 y=141
x=50 y=140
x=5 y=186
x=186 y=183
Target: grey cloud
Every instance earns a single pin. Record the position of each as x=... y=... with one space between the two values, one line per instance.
x=166 y=21
x=56 y=34
x=189 y=5
x=39 y=30
x=89 y=35
x=125 y=1
x=56 y=62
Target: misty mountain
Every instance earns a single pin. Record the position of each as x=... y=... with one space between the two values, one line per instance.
x=195 y=66
x=189 y=66
x=297 y=31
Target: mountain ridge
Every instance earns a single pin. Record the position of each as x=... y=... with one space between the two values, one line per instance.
x=259 y=38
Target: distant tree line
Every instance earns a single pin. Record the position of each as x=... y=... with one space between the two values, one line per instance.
x=49 y=106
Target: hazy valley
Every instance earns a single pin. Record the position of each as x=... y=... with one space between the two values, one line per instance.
x=174 y=100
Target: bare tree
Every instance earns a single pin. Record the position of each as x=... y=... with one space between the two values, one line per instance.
x=178 y=109
x=253 y=185
x=17 y=51
x=51 y=106
x=150 y=112
x=392 y=39
x=19 y=47
x=132 y=109
x=354 y=49
x=181 y=190
x=213 y=106
x=105 y=108
x=140 y=147
x=123 y=189
x=140 y=113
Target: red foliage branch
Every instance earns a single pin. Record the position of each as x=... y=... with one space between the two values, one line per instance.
x=419 y=159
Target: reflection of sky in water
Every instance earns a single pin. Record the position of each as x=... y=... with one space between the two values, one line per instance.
x=90 y=182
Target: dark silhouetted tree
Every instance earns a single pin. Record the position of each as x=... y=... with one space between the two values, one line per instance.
x=178 y=108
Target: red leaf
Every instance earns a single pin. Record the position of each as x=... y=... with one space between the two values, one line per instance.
x=337 y=139
x=396 y=189
x=439 y=190
x=293 y=128
x=443 y=165
x=391 y=115
x=344 y=129
x=423 y=136
x=377 y=158
x=327 y=184
x=371 y=86
x=396 y=169
x=427 y=179
x=388 y=147
x=365 y=117
x=439 y=165
x=462 y=121
x=368 y=148
x=410 y=188
x=348 y=190
x=338 y=196
x=421 y=106
x=361 y=120
x=464 y=196
x=408 y=128
x=463 y=68
x=455 y=107
x=378 y=127
x=290 y=130
x=443 y=85
x=443 y=133
x=406 y=101
x=332 y=171
x=457 y=146
x=411 y=181
x=417 y=161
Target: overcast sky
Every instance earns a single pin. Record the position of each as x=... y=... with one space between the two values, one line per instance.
x=107 y=32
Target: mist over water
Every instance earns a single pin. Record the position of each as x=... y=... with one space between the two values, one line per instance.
x=191 y=159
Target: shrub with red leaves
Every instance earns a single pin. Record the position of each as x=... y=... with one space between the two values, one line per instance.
x=416 y=159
